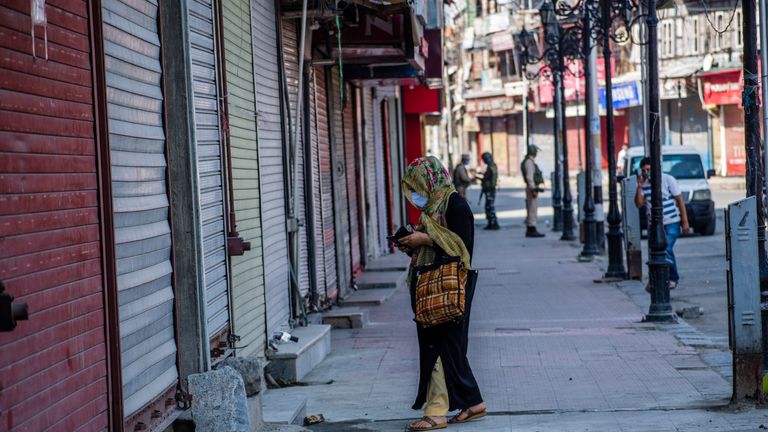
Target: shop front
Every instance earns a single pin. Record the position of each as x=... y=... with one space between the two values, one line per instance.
x=721 y=92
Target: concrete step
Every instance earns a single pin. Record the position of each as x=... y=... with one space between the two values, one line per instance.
x=346 y=317
x=294 y=360
x=380 y=279
x=369 y=297
x=392 y=262
x=279 y=409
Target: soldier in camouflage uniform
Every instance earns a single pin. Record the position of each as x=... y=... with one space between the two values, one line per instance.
x=488 y=185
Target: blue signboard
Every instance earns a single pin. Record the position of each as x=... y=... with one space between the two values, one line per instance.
x=625 y=95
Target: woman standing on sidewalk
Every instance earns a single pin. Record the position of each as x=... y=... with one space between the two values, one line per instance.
x=446 y=228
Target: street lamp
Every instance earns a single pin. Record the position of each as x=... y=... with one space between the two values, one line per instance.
x=528 y=48
x=658 y=268
x=560 y=45
x=598 y=22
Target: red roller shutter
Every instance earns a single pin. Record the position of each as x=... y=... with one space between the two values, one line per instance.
x=325 y=235
x=353 y=168
x=53 y=367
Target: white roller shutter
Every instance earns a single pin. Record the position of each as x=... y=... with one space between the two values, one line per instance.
x=210 y=168
x=371 y=162
x=271 y=164
x=140 y=201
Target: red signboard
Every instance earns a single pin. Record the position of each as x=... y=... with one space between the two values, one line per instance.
x=573 y=81
x=420 y=99
x=722 y=87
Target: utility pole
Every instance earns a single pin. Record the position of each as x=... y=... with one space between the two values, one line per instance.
x=752 y=143
x=590 y=245
x=680 y=109
x=658 y=268
x=557 y=198
x=764 y=61
x=567 y=197
x=615 y=235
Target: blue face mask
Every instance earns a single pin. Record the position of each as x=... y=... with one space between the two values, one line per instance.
x=418 y=200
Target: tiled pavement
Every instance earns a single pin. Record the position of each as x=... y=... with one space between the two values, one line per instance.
x=552 y=351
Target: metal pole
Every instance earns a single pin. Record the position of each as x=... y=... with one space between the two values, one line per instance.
x=593 y=114
x=680 y=111
x=752 y=144
x=658 y=268
x=557 y=222
x=615 y=234
x=567 y=198
x=764 y=61
x=644 y=82
x=590 y=246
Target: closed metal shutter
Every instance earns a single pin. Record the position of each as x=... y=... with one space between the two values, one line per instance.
x=209 y=164
x=247 y=270
x=381 y=179
x=352 y=170
x=50 y=251
x=271 y=164
x=291 y=60
x=340 y=195
x=316 y=192
x=326 y=229
x=371 y=188
x=142 y=230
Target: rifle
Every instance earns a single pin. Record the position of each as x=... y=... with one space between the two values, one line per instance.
x=479 y=200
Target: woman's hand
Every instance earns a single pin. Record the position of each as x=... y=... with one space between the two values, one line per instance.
x=416 y=240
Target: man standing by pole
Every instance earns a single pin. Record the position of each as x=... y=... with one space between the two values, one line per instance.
x=533 y=181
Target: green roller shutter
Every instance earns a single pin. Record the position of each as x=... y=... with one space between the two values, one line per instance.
x=247 y=270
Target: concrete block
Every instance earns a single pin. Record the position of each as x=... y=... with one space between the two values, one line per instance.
x=219 y=402
x=250 y=368
x=295 y=360
x=280 y=408
x=391 y=262
x=346 y=317
x=380 y=279
x=256 y=412
x=369 y=297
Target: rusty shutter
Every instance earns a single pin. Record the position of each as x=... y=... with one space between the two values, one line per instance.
x=53 y=367
x=271 y=164
x=291 y=60
x=210 y=168
x=352 y=175
x=340 y=196
x=140 y=200
x=324 y=231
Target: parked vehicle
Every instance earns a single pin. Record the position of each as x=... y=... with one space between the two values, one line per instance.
x=684 y=164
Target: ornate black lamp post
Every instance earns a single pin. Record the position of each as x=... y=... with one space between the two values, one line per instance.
x=598 y=21
x=658 y=268
x=560 y=45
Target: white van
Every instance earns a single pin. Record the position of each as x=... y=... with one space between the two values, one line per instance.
x=684 y=164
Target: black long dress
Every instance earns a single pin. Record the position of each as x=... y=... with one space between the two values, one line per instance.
x=449 y=341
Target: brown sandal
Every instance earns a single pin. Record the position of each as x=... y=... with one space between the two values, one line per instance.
x=470 y=415
x=432 y=425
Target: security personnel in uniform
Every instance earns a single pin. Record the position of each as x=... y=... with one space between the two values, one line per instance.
x=488 y=184
x=533 y=181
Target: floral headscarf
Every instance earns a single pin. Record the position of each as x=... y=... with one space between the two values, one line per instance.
x=428 y=177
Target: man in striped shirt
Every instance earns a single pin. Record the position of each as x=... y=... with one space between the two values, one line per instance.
x=675 y=217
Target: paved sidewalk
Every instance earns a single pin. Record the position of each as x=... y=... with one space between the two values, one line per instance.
x=551 y=350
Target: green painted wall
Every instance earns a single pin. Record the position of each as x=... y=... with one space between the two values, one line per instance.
x=247 y=270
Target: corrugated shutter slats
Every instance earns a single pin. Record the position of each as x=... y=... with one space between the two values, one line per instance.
x=271 y=164
x=247 y=270
x=142 y=231
x=209 y=163
x=350 y=152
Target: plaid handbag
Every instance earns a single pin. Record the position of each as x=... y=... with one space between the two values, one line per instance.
x=440 y=292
